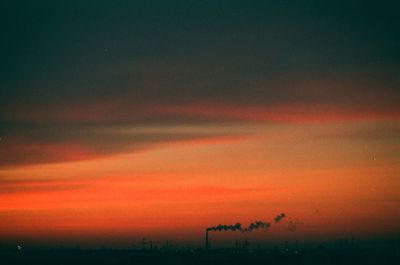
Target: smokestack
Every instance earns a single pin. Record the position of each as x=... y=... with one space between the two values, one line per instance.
x=206 y=243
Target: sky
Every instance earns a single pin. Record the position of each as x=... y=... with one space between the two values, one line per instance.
x=128 y=119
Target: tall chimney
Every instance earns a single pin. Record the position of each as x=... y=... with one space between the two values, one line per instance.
x=206 y=246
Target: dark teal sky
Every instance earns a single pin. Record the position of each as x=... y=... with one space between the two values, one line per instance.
x=67 y=64
x=198 y=50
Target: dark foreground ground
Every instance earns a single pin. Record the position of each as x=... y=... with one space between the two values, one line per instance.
x=120 y=256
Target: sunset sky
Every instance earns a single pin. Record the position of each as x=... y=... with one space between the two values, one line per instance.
x=128 y=119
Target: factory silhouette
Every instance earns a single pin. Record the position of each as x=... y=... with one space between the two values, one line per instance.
x=341 y=251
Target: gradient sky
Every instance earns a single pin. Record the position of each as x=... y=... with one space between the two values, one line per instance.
x=124 y=119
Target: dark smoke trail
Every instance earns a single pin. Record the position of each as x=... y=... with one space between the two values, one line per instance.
x=279 y=217
x=238 y=227
x=235 y=227
x=253 y=226
x=257 y=225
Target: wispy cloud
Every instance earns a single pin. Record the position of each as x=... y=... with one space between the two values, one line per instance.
x=45 y=144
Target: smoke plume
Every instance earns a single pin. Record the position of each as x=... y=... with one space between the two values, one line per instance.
x=235 y=227
x=252 y=226
x=279 y=217
x=257 y=225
